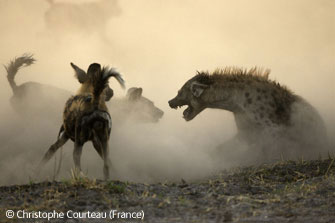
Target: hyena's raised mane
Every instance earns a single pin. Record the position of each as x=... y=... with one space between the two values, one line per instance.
x=86 y=117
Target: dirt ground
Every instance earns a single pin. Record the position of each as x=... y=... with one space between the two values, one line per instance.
x=287 y=191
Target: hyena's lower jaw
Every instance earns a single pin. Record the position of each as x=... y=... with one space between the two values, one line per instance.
x=189 y=113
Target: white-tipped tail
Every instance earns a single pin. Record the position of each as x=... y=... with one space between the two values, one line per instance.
x=112 y=72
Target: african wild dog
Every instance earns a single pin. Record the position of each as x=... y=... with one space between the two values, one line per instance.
x=86 y=117
x=264 y=110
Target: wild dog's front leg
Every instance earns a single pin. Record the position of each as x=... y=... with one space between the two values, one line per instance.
x=78 y=147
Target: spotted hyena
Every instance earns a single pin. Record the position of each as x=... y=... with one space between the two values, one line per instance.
x=266 y=113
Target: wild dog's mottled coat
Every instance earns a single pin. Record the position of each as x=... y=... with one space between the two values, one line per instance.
x=86 y=117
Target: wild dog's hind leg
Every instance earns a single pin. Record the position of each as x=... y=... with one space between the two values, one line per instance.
x=78 y=147
x=97 y=146
x=100 y=148
x=105 y=155
x=100 y=143
x=79 y=141
x=53 y=148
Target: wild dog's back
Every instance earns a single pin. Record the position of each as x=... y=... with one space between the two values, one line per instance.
x=90 y=95
x=85 y=101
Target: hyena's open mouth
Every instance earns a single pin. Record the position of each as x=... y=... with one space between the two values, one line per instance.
x=188 y=113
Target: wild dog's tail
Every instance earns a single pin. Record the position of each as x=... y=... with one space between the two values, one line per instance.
x=14 y=65
x=100 y=80
x=115 y=74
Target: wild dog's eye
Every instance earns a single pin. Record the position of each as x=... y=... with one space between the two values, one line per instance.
x=88 y=99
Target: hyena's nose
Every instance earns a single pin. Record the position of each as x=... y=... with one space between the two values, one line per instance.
x=172 y=103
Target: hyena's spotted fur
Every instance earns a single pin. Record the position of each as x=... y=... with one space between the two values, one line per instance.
x=263 y=109
x=86 y=117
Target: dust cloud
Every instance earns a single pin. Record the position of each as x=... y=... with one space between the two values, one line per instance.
x=157 y=45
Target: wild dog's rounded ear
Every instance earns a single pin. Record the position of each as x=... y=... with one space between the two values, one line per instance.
x=197 y=88
x=79 y=73
x=134 y=93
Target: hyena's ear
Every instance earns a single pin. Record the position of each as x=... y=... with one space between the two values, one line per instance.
x=197 y=88
x=79 y=73
x=134 y=93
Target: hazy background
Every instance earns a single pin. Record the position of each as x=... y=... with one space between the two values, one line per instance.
x=158 y=45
